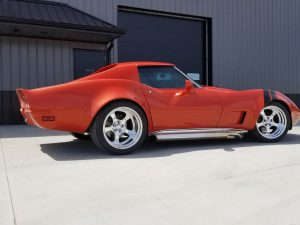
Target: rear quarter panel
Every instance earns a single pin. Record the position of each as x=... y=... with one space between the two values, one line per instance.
x=119 y=90
x=75 y=104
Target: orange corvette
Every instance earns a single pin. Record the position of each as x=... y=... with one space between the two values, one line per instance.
x=119 y=105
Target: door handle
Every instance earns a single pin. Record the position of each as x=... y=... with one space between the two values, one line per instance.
x=150 y=91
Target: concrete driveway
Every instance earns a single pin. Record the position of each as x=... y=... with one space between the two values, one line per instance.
x=49 y=178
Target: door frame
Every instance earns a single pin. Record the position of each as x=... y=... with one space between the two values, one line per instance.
x=208 y=78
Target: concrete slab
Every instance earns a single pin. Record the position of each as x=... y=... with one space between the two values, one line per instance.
x=6 y=210
x=58 y=180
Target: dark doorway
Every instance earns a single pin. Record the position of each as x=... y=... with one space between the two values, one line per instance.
x=9 y=108
x=158 y=36
x=87 y=61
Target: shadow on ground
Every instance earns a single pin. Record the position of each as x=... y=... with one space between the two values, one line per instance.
x=85 y=150
x=24 y=131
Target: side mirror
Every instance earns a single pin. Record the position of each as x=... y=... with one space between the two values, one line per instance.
x=188 y=85
x=188 y=88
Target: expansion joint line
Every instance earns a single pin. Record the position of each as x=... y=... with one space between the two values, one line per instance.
x=7 y=182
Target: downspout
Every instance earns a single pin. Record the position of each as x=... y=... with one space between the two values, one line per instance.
x=109 y=47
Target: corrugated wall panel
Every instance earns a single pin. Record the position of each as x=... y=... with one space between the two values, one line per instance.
x=31 y=63
x=1 y=64
x=255 y=43
x=5 y=77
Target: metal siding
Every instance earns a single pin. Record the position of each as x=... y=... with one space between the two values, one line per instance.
x=255 y=43
x=52 y=13
x=31 y=63
x=5 y=62
x=1 y=64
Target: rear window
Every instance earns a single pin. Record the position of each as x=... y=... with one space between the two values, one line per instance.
x=161 y=77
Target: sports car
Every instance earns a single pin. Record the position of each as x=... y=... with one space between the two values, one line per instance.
x=120 y=105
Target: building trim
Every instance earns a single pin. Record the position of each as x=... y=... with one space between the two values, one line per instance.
x=47 y=19
x=161 y=13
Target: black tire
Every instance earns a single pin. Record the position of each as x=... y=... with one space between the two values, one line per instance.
x=257 y=135
x=81 y=136
x=97 y=133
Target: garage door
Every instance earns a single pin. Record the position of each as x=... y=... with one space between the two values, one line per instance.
x=153 y=36
x=87 y=61
x=9 y=108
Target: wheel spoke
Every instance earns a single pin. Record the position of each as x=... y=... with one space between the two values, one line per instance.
x=113 y=116
x=273 y=124
x=269 y=130
x=273 y=114
x=107 y=129
x=263 y=114
x=126 y=118
x=117 y=139
x=260 y=124
x=131 y=133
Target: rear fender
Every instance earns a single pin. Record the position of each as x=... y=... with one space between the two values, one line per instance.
x=120 y=90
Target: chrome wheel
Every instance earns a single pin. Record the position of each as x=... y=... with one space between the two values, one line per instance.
x=122 y=127
x=272 y=122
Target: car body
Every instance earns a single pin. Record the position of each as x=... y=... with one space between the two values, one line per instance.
x=73 y=106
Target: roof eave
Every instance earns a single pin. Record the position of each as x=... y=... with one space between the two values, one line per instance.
x=61 y=25
x=57 y=33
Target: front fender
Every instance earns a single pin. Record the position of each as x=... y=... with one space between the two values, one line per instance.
x=271 y=95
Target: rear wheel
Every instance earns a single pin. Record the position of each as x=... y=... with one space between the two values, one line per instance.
x=120 y=128
x=273 y=123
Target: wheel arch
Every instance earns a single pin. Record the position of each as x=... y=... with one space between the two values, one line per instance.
x=271 y=96
x=285 y=105
x=138 y=104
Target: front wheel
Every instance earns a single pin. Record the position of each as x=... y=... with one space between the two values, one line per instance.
x=120 y=128
x=273 y=123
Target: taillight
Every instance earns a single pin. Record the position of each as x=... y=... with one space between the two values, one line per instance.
x=23 y=99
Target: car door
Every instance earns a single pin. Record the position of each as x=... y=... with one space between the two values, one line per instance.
x=171 y=106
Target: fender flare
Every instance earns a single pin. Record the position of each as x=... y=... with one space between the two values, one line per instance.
x=271 y=96
x=132 y=94
x=276 y=96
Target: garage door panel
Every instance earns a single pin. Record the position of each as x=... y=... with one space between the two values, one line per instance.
x=9 y=108
x=162 y=38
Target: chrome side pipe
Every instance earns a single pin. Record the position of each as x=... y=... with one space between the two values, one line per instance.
x=208 y=133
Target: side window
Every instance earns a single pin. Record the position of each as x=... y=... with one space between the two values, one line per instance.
x=161 y=77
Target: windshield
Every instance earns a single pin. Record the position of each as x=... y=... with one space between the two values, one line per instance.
x=187 y=77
